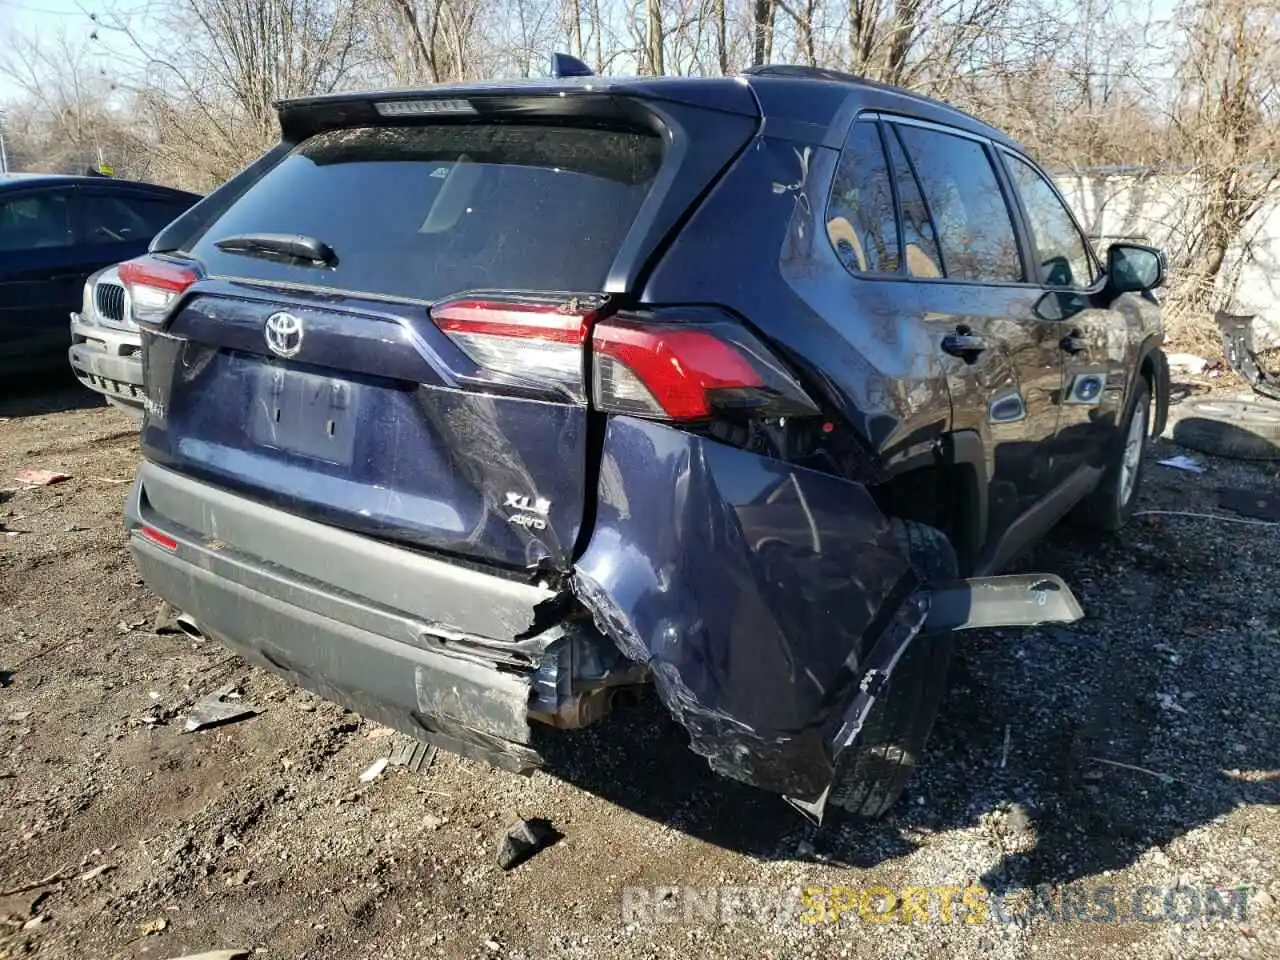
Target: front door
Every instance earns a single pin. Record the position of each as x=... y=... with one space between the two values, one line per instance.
x=1093 y=337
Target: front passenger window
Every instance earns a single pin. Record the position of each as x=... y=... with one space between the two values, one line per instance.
x=1061 y=249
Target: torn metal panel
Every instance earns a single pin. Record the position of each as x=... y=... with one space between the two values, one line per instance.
x=747 y=586
x=770 y=603
x=1239 y=345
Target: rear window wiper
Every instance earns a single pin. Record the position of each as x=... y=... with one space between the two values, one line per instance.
x=281 y=246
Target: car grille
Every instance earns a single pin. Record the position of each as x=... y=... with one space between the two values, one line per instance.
x=109 y=299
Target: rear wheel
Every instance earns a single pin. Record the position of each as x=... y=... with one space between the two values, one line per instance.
x=872 y=773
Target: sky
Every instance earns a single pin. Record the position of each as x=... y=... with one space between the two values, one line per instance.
x=74 y=17
x=47 y=17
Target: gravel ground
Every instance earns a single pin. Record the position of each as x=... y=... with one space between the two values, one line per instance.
x=260 y=836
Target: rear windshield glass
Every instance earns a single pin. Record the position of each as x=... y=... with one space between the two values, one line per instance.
x=428 y=211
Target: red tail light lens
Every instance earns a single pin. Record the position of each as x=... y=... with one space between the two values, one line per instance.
x=531 y=344
x=153 y=285
x=689 y=371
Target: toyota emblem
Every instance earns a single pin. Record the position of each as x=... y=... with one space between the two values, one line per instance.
x=284 y=334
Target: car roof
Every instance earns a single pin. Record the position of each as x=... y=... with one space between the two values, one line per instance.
x=821 y=100
x=9 y=181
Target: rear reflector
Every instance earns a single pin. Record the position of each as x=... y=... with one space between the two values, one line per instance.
x=153 y=285
x=689 y=371
x=538 y=345
x=158 y=538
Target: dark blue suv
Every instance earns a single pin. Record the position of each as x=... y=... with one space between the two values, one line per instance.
x=469 y=407
x=54 y=232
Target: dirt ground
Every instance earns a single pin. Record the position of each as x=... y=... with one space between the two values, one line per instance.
x=136 y=839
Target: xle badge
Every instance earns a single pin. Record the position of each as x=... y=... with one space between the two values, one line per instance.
x=532 y=511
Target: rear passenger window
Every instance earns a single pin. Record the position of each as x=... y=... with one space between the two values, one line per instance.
x=860 y=218
x=969 y=212
x=918 y=241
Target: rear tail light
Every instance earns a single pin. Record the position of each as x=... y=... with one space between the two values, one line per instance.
x=688 y=368
x=689 y=371
x=153 y=286
x=529 y=344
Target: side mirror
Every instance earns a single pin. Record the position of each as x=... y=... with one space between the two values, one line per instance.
x=1134 y=268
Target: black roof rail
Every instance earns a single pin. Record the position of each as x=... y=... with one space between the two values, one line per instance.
x=563 y=65
x=802 y=72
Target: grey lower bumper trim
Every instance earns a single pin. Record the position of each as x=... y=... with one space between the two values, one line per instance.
x=429 y=590
x=467 y=707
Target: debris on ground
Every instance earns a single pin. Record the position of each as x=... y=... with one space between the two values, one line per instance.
x=213 y=710
x=414 y=755
x=1183 y=462
x=375 y=770
x=522 y=839
x=153 y=926
x=216 y=955
x=1250 y=503
x=1187 y=361
x=97 y=871
x=48 y=881
x=1167 y=702
x=19 y=716
x=40 y=478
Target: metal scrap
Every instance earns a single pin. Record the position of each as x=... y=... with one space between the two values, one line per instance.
x=213 y=710
x=1251 y=503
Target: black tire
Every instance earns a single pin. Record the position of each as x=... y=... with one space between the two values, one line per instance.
x=872 y=773
x=1240 y=429
x=1109 y=507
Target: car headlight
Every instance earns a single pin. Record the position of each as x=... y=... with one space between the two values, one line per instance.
x=87 y=312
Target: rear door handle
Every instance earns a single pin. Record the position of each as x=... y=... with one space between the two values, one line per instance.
x=964 y=345
x=1073 y=343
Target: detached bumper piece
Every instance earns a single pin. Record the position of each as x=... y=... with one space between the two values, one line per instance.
x=1242 y=354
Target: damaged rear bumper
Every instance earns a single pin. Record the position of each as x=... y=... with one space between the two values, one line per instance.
x=444 y=653
x=770 y=603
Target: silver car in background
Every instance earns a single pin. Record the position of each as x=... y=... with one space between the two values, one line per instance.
x=106 y=348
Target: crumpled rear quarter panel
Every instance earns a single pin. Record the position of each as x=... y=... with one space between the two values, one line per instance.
x=751 y=588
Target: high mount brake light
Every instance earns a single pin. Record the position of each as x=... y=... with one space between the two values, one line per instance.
x=153 y=285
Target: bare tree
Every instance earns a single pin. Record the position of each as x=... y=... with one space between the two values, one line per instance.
x=1227 y=122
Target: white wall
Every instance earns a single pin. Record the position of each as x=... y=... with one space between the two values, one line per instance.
x=1156 y=210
